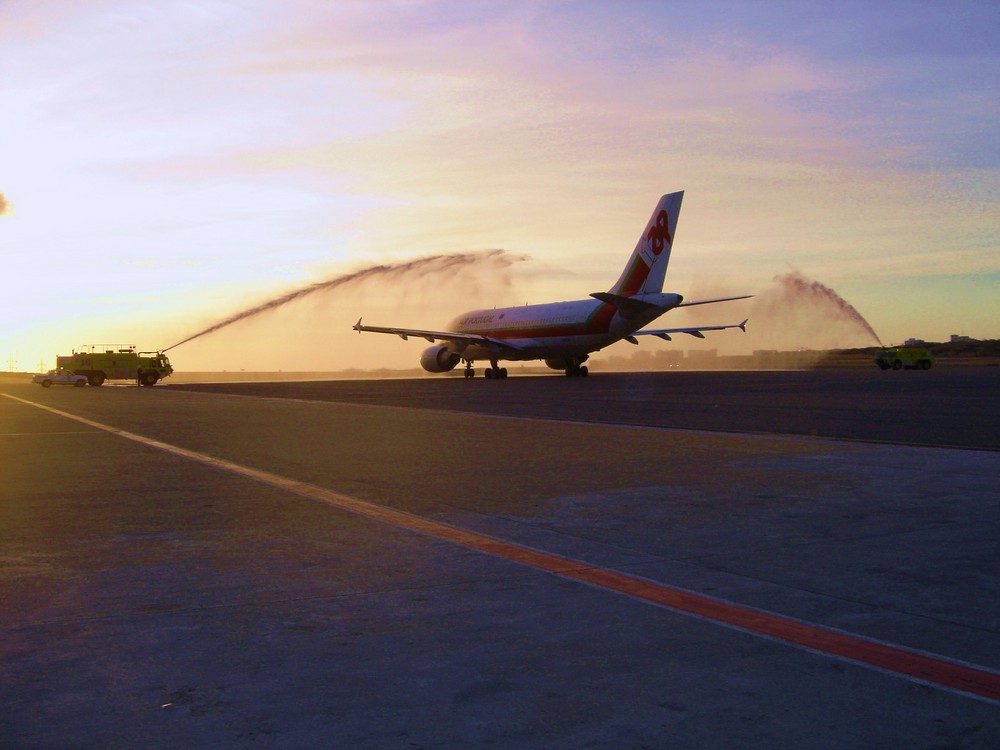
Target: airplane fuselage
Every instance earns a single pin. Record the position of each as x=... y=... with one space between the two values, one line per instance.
x=554 y=330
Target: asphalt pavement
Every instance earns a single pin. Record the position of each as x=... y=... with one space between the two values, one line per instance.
x=389 y=564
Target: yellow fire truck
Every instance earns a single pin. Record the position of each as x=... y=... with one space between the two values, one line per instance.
x=904 y=358
x=100 y=362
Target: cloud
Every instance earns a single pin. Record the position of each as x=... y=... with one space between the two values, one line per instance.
x=308 y=135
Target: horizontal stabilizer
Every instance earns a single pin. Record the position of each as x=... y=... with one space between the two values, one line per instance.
x=629 y=306
x=711 y=301
x=640 y=304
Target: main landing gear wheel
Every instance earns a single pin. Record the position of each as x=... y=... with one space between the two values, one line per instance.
x=576 y=370
x=469 y=372
x=496 y=373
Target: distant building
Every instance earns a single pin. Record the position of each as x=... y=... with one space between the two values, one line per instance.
x=914 y=342
x=956 y=339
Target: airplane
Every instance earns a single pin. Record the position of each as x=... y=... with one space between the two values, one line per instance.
x=564 y=334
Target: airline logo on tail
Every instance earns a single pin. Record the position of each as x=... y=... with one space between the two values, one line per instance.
x=658 y=233
x=647 y=267
x=657 y=238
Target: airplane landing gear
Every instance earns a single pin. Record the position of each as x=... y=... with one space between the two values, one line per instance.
x=576 y=369
x=495 y=372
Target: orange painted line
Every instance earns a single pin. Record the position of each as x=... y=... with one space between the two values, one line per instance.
x=930 y=669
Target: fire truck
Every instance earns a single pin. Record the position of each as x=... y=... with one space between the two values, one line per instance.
x=904 y=358
x=100 y=362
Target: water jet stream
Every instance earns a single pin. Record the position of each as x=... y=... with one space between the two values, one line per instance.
x=438 y=266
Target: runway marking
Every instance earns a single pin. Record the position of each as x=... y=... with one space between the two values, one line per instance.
x=937 y=671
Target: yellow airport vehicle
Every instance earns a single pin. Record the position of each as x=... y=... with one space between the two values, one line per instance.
x=904 y=358
x=100 y=362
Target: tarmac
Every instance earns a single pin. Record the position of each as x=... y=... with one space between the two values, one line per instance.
x=607 y=562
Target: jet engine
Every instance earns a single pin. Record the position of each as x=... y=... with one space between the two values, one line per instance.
x=439 y=359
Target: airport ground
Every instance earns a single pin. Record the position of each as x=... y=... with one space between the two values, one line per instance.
x=675 y=560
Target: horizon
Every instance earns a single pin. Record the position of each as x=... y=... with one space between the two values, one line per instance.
x=641 y=360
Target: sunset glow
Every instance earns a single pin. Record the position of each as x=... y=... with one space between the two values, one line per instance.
x=165 y=165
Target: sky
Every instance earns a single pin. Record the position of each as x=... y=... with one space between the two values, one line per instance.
x=164 y=165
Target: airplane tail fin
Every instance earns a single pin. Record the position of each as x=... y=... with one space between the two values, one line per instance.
x=647 y=267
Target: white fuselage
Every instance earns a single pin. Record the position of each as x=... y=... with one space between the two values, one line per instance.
x=554 y=330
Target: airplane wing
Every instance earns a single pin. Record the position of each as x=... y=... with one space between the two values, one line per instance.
x=664 y=333
x=432 y=336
